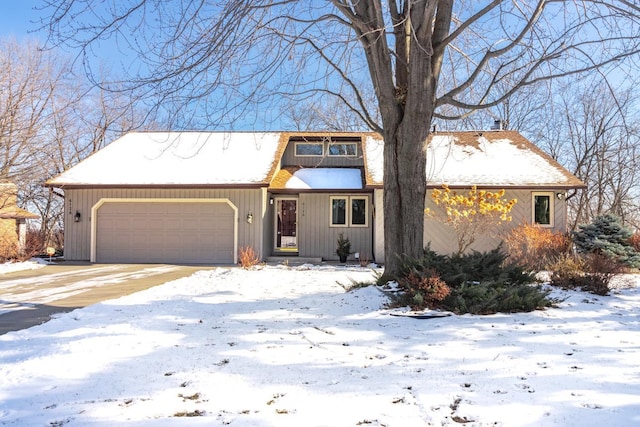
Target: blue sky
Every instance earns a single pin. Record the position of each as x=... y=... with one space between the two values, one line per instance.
x=17 y=18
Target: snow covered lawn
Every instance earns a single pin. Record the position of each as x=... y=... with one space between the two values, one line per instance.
x=285 y=346
x=9 y=267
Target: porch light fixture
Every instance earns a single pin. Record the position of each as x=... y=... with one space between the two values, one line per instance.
x=250 y=218
x=76 y=217
x=560 y=196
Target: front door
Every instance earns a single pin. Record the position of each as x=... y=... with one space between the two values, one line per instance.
x=287 y=224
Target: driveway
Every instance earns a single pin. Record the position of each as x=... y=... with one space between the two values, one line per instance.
x=31 y=297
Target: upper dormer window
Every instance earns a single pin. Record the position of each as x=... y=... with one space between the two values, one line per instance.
x=326 y=146
x=309 y=149
x=348 y=149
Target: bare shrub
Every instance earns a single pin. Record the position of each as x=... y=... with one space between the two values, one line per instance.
x=590 y=272
x=536 y=248
x=247 y=257
x=601 y=269
x=567 y=272
x=34 y=245
x=364 y=260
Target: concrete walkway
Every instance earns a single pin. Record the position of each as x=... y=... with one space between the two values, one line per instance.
x=31 y=297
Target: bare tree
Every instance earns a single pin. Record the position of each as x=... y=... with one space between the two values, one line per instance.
x=595 y=134
x=49 y=121
x=28 y=80
x=423 y=59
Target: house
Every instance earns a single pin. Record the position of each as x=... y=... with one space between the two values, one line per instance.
x=13 y=222
x=198 y=197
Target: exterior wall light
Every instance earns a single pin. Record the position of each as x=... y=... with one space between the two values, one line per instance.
x=560 y=196
x=250 y=218
x=77 y=216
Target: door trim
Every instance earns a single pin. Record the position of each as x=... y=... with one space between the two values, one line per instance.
x=275 y=225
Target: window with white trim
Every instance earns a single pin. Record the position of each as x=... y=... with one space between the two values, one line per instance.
x=543 y=209
x=349 y=211
x=309 y=149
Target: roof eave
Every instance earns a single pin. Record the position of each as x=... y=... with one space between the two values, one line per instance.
x=73 y=186
x=549 y=186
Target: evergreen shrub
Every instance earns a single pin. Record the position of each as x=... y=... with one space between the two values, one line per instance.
x=478 y=283
x=496 y=297
x=607 y=236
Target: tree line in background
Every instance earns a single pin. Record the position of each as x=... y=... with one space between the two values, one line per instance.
x=51 y=117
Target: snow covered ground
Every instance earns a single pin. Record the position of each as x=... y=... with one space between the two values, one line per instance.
x=287 y=346
x=33 y=264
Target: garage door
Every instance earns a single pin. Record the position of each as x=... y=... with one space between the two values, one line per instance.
x=165 y=232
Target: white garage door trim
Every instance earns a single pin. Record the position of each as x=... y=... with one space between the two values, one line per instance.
x=94 y=217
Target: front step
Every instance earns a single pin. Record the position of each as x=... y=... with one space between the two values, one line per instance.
x=294 y=260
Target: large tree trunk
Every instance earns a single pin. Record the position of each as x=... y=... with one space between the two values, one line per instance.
x=404 y=193
x=406 y=127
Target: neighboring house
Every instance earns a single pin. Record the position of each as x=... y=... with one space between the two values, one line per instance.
x=198 y=197
x=13 y=222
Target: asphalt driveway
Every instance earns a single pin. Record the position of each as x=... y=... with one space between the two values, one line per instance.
x=31 y=297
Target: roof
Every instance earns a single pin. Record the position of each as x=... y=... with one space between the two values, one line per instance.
x=8 y=203
x=179 y=158
x=483 y=158
x=14 y=212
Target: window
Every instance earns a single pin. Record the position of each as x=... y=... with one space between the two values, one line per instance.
x=309 y=149
x=543 y=209
x=349 y=211
x=343 y=149
x=358 y=211
x=338 y=212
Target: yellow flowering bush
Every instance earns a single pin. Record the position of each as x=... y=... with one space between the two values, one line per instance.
x=472 y=214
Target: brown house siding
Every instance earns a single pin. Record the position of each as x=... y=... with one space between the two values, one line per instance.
x=318 y=238
x=444 y=241
x=78 y=234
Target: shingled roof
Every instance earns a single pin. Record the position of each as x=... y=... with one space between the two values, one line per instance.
x=498 y=158
x=180 y=159
x=483 y=158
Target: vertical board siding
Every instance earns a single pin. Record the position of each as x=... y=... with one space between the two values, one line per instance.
x=268 y=226
x=318 y=239
x=560 y=215
x=443 y=240
x=78 y=235
x=378 y=224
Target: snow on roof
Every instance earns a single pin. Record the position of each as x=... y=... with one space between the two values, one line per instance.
x=325 y=179
x=490 y=158
x=178 y=158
